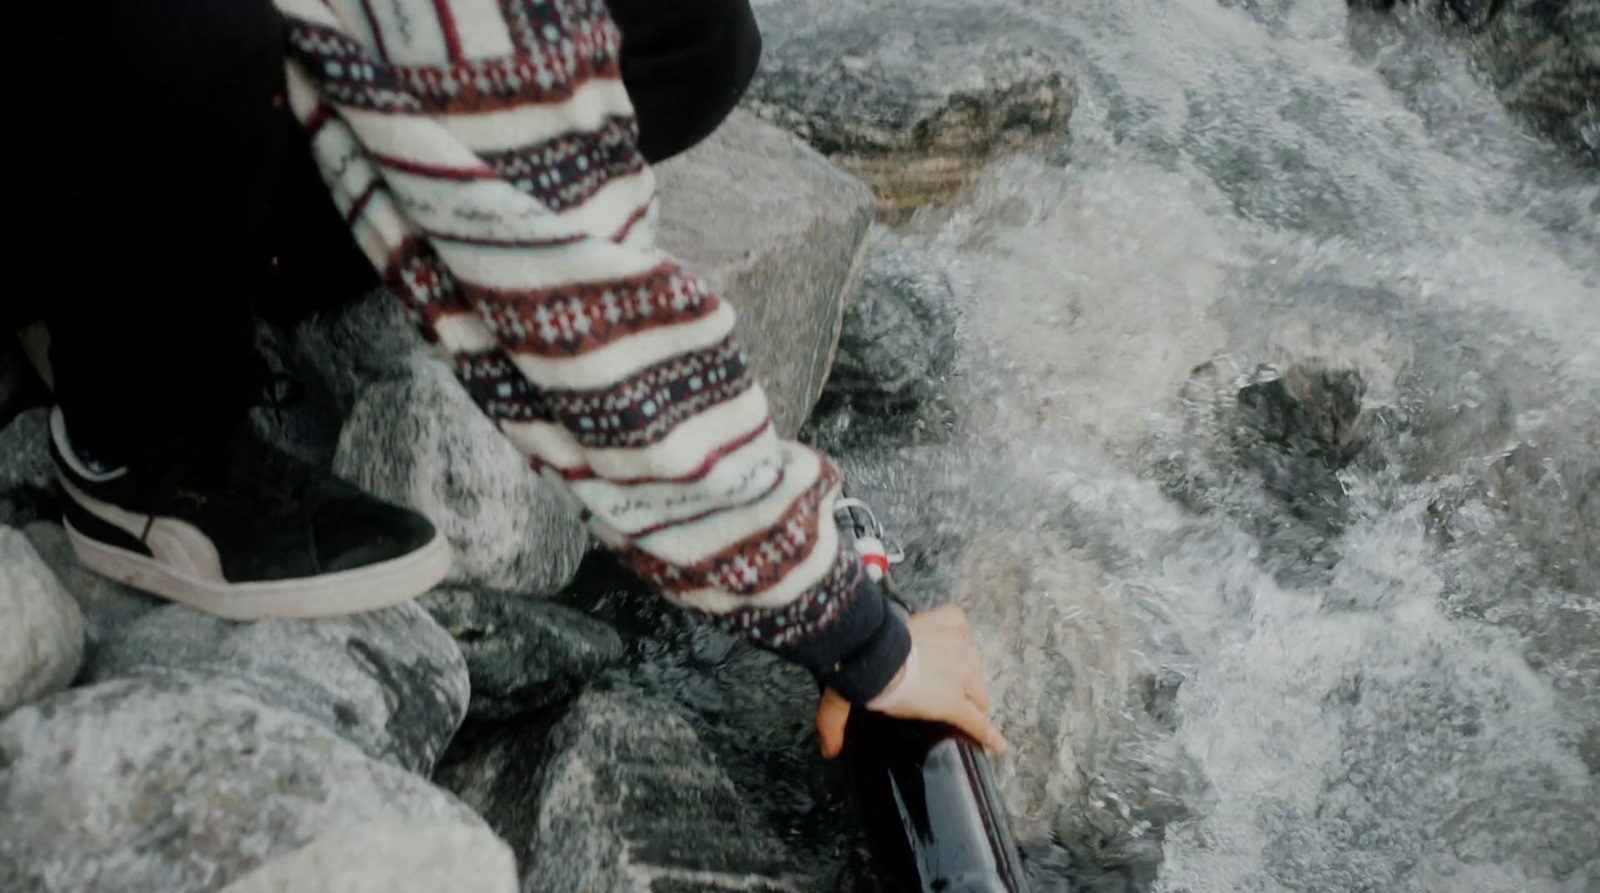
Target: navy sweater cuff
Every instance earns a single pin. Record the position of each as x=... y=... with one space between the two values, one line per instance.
x=866 y=670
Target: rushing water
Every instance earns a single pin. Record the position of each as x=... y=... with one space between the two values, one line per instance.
x=1225 y=665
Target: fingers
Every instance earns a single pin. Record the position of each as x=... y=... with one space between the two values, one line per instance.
x=968 y=718
x=832 y=714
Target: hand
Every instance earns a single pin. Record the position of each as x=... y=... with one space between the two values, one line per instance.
x=948 y=685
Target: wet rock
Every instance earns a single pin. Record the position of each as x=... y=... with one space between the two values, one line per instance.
x=421 y=442
x=897 y=348
x=390 y=857
x=522 y=654
x=391 y=682
x=175 y=786
x=28 y=488
x=618 y=795
x=1543 y=56
x=107 y=606
x=915 y=97
x=785 y=254
x=41 y=631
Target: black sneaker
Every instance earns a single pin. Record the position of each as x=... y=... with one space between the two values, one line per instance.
x=244 y=531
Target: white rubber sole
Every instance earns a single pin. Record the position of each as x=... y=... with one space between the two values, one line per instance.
x=354 y=591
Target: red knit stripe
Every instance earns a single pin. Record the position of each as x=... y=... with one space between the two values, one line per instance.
x=447 y=25
x=700 y=471
x=423 y=169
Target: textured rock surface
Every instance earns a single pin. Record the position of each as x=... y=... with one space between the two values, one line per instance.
x=619 y=796
x=392 y=682
x=107 y=606
x=27 y=476
x=897 y=348
x=168 y=786
x=902 y=93
x=522 y=654
x=41 y=630
x=390 y=857
x=420 y=441
x=785 y=256
x=1543 y=56
x=370 y=340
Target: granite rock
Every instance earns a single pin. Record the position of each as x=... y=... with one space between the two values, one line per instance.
x=107 y=606
x=41 y=630
x=418 y=440
x=166 y=785
x=618 y=796
x=390 y=857
x=522 y=654
x=391 y=682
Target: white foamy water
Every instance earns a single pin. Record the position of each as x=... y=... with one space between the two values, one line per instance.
x=1390 y=685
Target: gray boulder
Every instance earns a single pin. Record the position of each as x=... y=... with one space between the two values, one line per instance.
x=27 y=475
x=618 y=796
x=522 y=654
x=174 y=786
x=420 y=441
x=391 y=682
x=391 y=857
x=913 y=95
x=786 y=254
x=107 y=606
x=41 y=630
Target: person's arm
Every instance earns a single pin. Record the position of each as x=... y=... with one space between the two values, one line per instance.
x=535 y=273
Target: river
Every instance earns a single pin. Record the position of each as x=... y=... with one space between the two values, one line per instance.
x=1228 y=661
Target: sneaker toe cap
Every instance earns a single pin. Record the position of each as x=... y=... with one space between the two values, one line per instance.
x=357 y=534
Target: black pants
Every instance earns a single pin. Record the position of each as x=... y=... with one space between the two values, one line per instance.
x=183 y=201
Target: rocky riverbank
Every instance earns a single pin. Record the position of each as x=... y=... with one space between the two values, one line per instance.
x=148 y=747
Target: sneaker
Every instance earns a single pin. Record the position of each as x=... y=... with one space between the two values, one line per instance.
x=242 y=530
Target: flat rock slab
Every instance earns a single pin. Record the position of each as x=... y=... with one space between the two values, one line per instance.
x=522 y=654
x=171 y=786
x=391 y=682
x=778 y=231
x=41 y=629
x=619 y=796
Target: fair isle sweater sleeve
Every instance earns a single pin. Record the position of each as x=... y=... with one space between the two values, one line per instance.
x=484 y=154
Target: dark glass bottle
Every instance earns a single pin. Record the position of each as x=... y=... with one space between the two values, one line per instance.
x=930 y=806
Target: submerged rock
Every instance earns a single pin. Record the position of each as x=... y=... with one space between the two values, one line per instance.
x=390 y=682
x=421 y=442
x=618 y=796
x=107 y=606
x=897 y=348
x=1543 y=56
x=174 y=786
x=522 y=654
x=41 y=630
x=915 y=97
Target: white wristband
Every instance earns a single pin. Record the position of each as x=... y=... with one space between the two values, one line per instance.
x=897 y=692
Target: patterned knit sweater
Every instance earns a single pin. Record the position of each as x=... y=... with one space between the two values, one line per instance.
x=484 y=154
